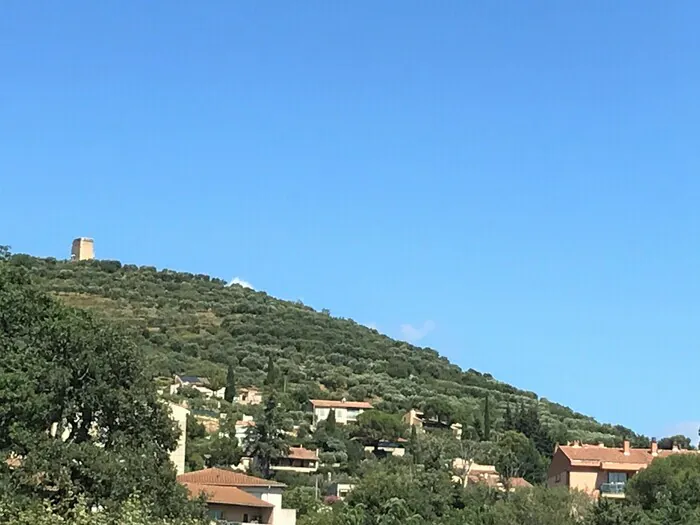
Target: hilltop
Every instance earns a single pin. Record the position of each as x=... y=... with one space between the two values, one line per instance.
x=196 y=324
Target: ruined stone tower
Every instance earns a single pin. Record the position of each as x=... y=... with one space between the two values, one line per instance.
x=83 y=249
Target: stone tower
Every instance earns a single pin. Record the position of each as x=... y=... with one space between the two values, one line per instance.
x=83 y=249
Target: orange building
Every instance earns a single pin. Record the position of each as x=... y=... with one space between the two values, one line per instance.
x=599 y=470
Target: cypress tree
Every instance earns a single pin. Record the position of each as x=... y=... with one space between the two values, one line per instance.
x=330 y=422
x=230 y=391
x=271 y=379
x=508 y=418
x=487 y=420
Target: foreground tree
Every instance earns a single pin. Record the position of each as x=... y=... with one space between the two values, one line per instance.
x=77 y=408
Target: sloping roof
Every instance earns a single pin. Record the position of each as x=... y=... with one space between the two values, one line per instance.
x=226 y=495
x=222 y=477
x=595 y=455
x=302 y=453
x=327 y=403
x=519 y=483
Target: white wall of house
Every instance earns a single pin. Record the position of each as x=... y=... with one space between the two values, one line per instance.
x=177 y=456
x=273 y=495
x=343 y=416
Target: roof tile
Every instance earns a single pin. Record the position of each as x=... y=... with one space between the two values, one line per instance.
x=226 y=495
x=223 y=477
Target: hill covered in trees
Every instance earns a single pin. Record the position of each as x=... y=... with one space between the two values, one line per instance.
x=196 y=324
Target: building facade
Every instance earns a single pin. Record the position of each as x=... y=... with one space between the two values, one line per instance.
x=345 y=411
x=601 y=471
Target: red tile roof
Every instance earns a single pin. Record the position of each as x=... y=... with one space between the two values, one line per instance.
x=226 y=495
x=327 y=403
x=604 y=457
x=229 y=478
x=302 y=453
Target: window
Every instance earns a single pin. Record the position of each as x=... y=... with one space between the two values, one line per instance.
x=617 y=477
x=558 y=478
x=245 y=518
x=216 y=514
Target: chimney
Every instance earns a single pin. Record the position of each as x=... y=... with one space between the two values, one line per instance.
x=654 y=447
x=601 y=444
x=577 y=443
x=626 y=447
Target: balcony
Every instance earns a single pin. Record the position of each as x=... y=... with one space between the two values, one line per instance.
x=613 y=490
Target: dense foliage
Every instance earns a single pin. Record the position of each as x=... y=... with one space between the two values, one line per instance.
x=195 y=324
x=88 y=439
x=80 y=419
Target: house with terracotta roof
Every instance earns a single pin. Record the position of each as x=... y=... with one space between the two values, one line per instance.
x=599 y=470
x=298 y=459
x=345 y=411
x=239 y=498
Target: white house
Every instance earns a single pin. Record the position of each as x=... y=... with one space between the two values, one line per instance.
x=201 y=384
x=345 y=411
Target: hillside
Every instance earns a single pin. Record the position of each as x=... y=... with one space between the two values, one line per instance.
x=195 y=324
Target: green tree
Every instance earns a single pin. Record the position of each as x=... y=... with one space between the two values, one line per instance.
x=508 y=423
x=272 y=378
x=517 y=457
x=487 y=420
x=678 y=440
x=230 y=391
x=331 y=426
x=670 y=481
x=266 y=442
x=79 y=407
x=374 y=426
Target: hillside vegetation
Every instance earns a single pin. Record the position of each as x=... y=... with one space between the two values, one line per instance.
x=195 y=324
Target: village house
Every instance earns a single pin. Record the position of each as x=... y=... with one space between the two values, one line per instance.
x=345 y=411
x=239 y=498
x=298 y=459
x=242 y=427
x=340 y=490
x=416 y=418
x=470 y=473
x=601 y=471
x=201 y=384
x=248 y=396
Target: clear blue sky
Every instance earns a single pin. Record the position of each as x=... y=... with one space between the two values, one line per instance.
x=515 y=184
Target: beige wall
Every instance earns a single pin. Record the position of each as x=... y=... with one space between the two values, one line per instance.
x=238 y=513
x=587 y=479
x=83 y=249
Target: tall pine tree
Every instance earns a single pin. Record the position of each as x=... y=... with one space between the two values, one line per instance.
x=230 y=391
x=487 y=420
